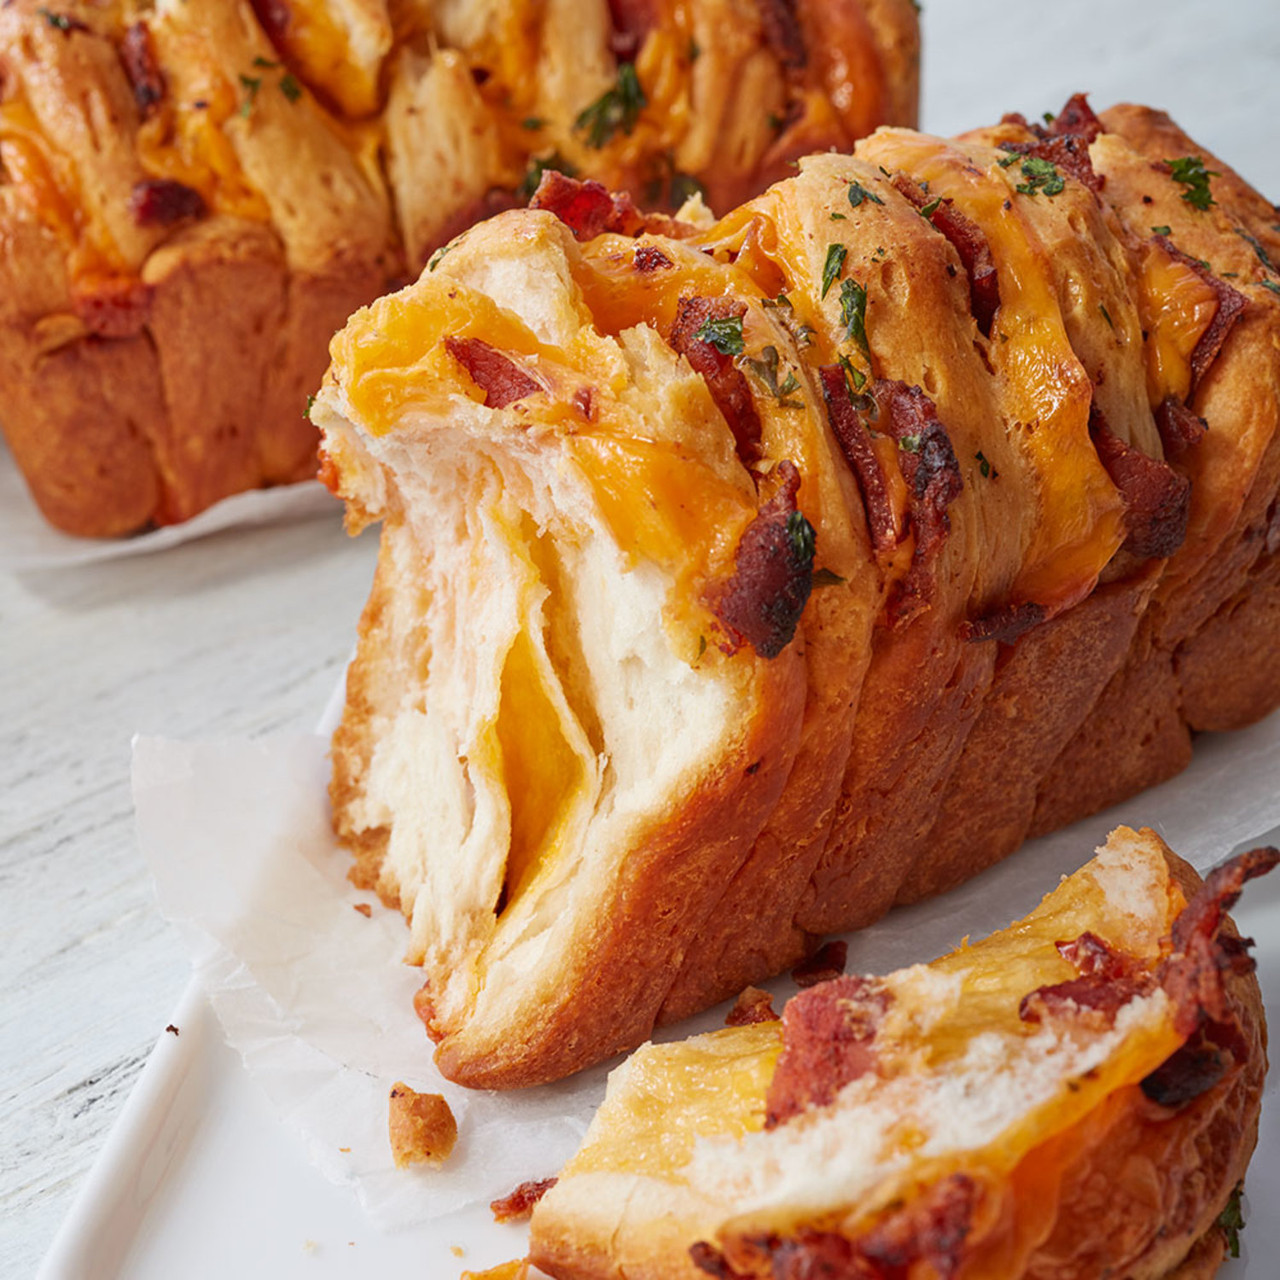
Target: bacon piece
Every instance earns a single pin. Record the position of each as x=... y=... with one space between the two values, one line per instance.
x=1185 y=1075
x=752 y=1005
x=826 y=963
x=1180 y=429
x=586 y=208
x=1077 y=118
x=1231 y=305
x=1157 y=499
x=969 y=242
x=932 y=473
x=632 y=21
x=1094 y=957
x=1192 y=974
x=855 y=443
x=275 y=16
x=726 y=382
x=783 y=32
x=499 y=378
x=1108 y=980
x=1004 y=624
x=112 y=306
x=762 y=602
x=138 y=57
x=1068 y=152
x=650 y=258
x=708 y=1258
x=517 y=1206
x=161 y=202
x=827 y=1041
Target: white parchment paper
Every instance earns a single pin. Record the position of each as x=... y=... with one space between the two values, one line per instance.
x=314 y=997
x=28 y=542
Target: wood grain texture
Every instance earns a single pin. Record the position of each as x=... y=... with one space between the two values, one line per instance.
x=243 y=633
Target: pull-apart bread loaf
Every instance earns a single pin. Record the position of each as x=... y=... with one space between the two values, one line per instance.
x=195 y=194
x=740 y=580
x=1074 y=1097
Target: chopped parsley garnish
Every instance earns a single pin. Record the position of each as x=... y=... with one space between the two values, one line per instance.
x=1160 y=231
x=251 y=85
x=831 y=268
x=1191 y=173
x=311 y=399
x=910 y=443
x=885 y=171
x=695 y=50
x=1042 y=176
x=803 y=334
x=702 y=646
x=1270 y=284
x=1048 y=117
x=826 y=578
x=724 y=333
x=780 y=301
x=1231 y=1220
x=616 y=108
x=434 y=261
x=1256 y=245
x=765 y=370
x=1005 y=161
x=838 y=217
x=1106 y=315
x=532 y=123
x=858 y=378
x=290 y=87
x=801 y=535
x=59 y=21
x=858 y=193
x=853 y=314
x=775 y=121
x=984 y=465
x=538 y=165
x=927 y=211
x=265 y=63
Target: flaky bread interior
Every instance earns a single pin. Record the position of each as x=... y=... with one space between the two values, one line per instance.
x=1014 y=1109
x=919 y=429
x=191 y=187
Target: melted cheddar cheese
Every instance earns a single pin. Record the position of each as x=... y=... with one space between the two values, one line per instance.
x=1176 y=307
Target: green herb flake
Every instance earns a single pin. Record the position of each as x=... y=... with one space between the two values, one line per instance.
x=1048 y=117
x=1257 y=246
x=1231 y=1220
x=265 y=63
x=1191 y=173
x=910 y=444
x=780 y=301
x=1005 y=161
x=984 y=466
x=831 y=268
x=1270 y=284
x=826 y=578
x=838 y=217
x=1106 y=315
x=1161 y=231
x=803 y=335
x=885 y=171
x=800 y=534
x=533 y=123
x=702 y=648
x=290 y=87
x=251 y=85
x=928 y=210
x=855 y=375
x=775 y=121
x=311 y=399
x=539 y=165
x=684 y=186
x=765 y=370
x=695 y=50
x=58 y=21
x=858 y=194
x=1042 y=177
x=616 y=108
x=434 y=261
x=724 y=333
x=853 y=314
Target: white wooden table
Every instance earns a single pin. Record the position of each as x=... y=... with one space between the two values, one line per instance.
x=246 y=633
x=239 y=634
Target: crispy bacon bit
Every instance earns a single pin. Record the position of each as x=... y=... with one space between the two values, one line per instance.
x=855 y=443
x=1067 y=152
x=632 y=22
x=1077 y=118
x=160 y=202
x=587 y=208
x=1231 y=305
x=1185 y=1075
x=650 y=258
x=275 y=16
x=1004 y=624
x=1180 y=429
x=1108 y=980
x=970 y=244
x=826 y=963
x=1157 y=499
x=783 y=33
x=584 y=402
x=726 y=382
x=363 y=908
x=517 y=1206
x=112 y=306
x=762 y=602
x=827 y=1041
x=929 y=467
x=708 y=1258
x=1192 y=974
x=1094 y=957
x=752 y=1005
x=499 y=378
x=138 y=56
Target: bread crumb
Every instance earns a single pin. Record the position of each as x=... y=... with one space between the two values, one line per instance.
x=344 y=1150
x=421 y=1127
x=752 y=1005
x=363 y=908
x=310 y=1246
x=517 y=1270
x=457 y=1250
x=518 y=1205
x=172 y=1029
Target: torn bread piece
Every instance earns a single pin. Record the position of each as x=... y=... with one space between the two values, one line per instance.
x=1075 y=1095
x=741 y=580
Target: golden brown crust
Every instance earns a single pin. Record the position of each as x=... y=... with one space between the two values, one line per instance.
x=275 y=197
x=420 y=1126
